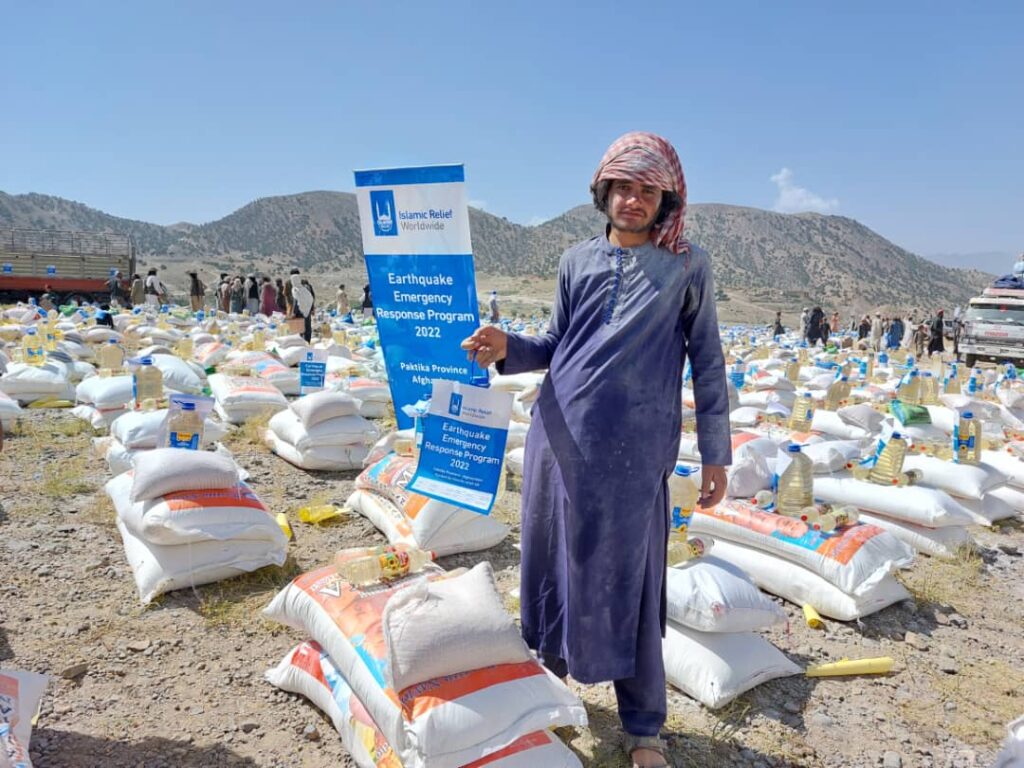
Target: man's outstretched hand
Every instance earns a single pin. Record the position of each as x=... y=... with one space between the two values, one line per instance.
x=488 y=343
x=712 y=486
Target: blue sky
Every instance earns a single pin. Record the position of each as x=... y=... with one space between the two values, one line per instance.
x=906 y=116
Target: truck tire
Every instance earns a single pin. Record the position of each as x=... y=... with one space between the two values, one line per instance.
x=970 y=360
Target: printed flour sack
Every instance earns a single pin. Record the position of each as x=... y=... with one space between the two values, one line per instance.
x=442 y=723
x=853 y=558
x=243 y=397
x=407 y=517
x=711 y=595
x=310 y=672
x=20 y=693
x=801 y=586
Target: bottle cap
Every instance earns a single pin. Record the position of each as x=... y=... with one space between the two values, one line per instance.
x=793 y=448
x=684 y=471
x=896 y=436
x=967 y=415
x=146 y=361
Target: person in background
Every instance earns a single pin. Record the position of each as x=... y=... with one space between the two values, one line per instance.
x=493 y=305
x=341 y=300
x=303 y=300
x=833 y=323
x=224 y=293
x=252 y=295
x=196 y=291
x=864 y=328
x=908 y=332
x=282 y=307
x=894 y=336
x=594 y=536
x=920 y=340
x=137 y=291
x=367 y=305
x=936 y=334
x=237 y=295
x=876 y=332
x=268 y=297
x=777 y=328
x=116 y=285
x=815 y=321
x=155 y=290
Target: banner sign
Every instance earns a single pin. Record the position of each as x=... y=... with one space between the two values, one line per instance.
x=464 y=436
x=312 y=371
x=415 y=228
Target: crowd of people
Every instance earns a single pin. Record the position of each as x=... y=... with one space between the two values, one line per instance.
x=878 y=332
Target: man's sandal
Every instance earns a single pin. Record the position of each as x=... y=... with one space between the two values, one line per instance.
x=653 y=743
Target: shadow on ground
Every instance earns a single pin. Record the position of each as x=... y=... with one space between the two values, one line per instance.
x=64 y=749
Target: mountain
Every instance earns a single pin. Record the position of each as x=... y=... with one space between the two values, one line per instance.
x=769 y=259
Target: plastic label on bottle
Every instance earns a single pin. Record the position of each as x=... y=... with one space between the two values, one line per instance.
x=681 y=519
x=188 y=440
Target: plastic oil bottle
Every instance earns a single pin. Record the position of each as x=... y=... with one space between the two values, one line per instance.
x=683 y=494
x=888 y=469
x=951 y=384
x=259 y=338
x=185 y=347
x=838 y=393
x=795 y=486
x=383 y=564
x=837 y=517
x=802 y=415
x=147 y=383
x=793 y=371
x=110 y=356
x=929 y=389
x=967 y=439
x=32 y=348
x=185 y=428
x=910 y=390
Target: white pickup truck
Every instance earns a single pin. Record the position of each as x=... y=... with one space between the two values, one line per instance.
x=993 y=327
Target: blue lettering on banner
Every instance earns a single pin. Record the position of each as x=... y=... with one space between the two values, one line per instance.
x=425 y=306
x=385 y=216
x=463 y=447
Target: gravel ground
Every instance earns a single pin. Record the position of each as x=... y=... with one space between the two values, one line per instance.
x=179 y=683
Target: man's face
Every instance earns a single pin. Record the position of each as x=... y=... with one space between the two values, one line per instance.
x=632 y=207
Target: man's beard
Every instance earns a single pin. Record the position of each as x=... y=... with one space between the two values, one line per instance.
x=633 y=229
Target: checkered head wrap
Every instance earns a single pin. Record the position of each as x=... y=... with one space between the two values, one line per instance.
x=649 y=159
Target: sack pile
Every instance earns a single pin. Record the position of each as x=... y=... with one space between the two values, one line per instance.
x=186 y=518
x=323 y=431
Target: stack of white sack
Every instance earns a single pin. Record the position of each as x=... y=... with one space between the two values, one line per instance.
x=185 y=377
x=10 y=411
x=374 y=396
x=409 y=518
x=240 y=398
x=29 y=384
x=187 y=519
x=845 y=574
x=20 y=694
x=268 y=368
x=323 y=431
x=436 y=665
x=102 y=399
x=926 y=518
x=711 y=649
x=137 y=431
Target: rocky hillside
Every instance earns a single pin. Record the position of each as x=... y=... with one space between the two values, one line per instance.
x=767 y=258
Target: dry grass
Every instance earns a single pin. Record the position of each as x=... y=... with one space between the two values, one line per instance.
x=250 y=434
x=956 y=582
x=65 y=479
x=99 y=511
x=988 y=694
x=237 y=602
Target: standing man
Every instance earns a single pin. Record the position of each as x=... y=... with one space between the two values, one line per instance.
x=936 y=332
x=632 y=304
x=876 y=332
x=154 y=289
x=196 y=291
x=493 y=305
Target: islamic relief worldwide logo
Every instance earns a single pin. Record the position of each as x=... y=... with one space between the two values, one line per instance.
x=385 y=217
x=455 y=404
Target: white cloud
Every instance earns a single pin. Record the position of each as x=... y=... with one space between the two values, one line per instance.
x=794 y=199
x=481 y=204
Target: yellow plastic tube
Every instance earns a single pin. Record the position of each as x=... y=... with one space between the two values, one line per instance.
x=814 y=621
x=320 y=513
x=875 y=666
